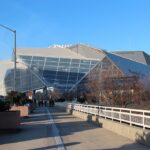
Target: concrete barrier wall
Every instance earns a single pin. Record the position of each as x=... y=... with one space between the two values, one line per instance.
x=136 y=134
x=9 y=120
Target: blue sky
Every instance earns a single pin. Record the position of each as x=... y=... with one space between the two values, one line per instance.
x=108 y=24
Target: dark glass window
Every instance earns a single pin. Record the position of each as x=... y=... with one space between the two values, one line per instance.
x=64 y=64
x=72 y=78
x=94 y=62
x=84 y=70
x=52 y=59
x=84 y=65
x=74 y=65
x=73 y=74
x=74 y=69
x=50 y=68
x=46 y=72
x=85 y=61
x=75 y=60
x=62 y=77
x=65 y=60
x=71 y=82
x=38 y=58
x=51 y=63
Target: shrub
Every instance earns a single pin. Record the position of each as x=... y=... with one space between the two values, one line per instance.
x=61 y=100
x=17 y=98
x=81 y=100
x=4 y=106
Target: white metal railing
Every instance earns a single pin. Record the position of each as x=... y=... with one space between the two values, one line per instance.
x=130 y=116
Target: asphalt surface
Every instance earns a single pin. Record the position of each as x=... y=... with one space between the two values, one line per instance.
x=78 y=134
x=35 y=133
x=54 y=129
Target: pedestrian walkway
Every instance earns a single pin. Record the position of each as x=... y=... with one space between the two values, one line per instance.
x=80 y=135
x=34 y=133
x=54 y=129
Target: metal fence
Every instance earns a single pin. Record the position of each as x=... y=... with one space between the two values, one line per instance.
x=137 y=117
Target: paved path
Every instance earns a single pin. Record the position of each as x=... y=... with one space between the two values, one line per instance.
x=35 y=132
x=38 y=132
x=80 y=135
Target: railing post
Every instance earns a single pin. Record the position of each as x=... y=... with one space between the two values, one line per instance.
x=112 y=115
x=143 y=120
x=130 y=118
x=88 y=109
x=120 y=116
x=98 y=110
x=105 y=113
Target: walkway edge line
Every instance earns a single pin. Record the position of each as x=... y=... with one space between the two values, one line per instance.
x=55 y=131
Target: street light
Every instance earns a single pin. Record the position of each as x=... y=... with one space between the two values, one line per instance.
x=14 y=31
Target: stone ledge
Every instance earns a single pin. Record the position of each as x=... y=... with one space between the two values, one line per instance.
x=136 y=134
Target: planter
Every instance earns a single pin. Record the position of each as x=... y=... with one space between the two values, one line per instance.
x=24 y=110
x=9 y=120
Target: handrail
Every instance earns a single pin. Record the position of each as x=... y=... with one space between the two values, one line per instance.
x=131 y=116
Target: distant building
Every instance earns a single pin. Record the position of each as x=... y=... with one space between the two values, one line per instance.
x=65 y=67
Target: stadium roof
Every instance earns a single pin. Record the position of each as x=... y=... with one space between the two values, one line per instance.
x=50 y=52
x=139 y=56
x=87 y=51
x=128 y=66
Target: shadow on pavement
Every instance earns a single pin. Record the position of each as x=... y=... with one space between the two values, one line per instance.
x=78 y=126
x=56 y=146
x=37 y=126
x=31 y=128
x=144 y=138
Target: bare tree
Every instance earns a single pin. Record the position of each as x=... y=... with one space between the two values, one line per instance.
x=99 y=84
x=122 y=91
x=111 y=87
x=55 y=94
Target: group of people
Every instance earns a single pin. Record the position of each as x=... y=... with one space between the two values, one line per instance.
x=51 y=103
x=44 y=103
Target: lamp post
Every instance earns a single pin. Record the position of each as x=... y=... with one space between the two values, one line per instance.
x=14 y=31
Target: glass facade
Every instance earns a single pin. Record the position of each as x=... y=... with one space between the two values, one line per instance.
x=97 y=72
x=64 y=69
x=59 y=73
x=25 y=80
